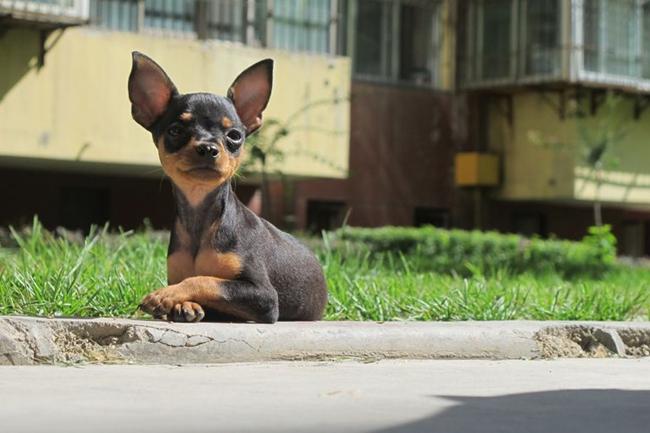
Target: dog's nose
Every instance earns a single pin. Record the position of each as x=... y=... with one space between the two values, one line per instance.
x=207 y=150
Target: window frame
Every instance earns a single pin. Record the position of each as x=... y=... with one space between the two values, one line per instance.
x=332 y=29
x=571 y=48
x=192 y=33
x=602 y=77
x=75 y=9
x=390 y=46
x=251 y=20
x=519 y=50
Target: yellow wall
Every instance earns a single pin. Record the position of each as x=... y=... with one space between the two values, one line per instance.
x=76 y=107
x=542 y=158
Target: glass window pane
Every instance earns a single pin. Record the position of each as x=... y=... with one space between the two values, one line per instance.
x=621 y=37
x=114 y=14
x=175 y=15
x=542 y=37
x=645 y=52
x=225 y=20
x=261 y=13
x=495 y=39
x=371 y=38
x=591 y=31
x=301 y=25
x=611 y=34
x=416 y=43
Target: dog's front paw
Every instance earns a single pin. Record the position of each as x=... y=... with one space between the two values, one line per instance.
x=172 y=303
x=187 y=312
x=161 y=302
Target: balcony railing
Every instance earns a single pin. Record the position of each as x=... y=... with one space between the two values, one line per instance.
x=45 y=11
x=294 y=25
x=518 y=42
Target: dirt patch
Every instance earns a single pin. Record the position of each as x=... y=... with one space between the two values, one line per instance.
x=572 y=342
x=592 y=342
x=637 y=341
x=106 y=334
x=77 y=349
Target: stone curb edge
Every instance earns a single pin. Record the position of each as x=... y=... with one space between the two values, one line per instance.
x=30 y=340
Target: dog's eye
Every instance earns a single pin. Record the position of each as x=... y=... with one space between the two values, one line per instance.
x=234 y=136
x=175 y=131
x=235 y=139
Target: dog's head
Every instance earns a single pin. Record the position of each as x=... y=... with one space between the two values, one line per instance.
x=199 y=136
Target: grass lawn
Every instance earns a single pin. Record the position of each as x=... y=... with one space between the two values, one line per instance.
x=107 y=275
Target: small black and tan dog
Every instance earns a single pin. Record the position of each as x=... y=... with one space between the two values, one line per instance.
x=224 y=263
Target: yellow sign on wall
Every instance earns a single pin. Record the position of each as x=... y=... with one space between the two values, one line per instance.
x=477 y=169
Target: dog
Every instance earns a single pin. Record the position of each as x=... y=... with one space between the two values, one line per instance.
x=224 y=263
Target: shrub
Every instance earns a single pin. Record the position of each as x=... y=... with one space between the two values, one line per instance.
x=466 y=252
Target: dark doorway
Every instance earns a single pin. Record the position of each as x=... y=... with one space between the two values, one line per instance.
x=423 y=216
x=82 y=207
x=324 y=215
x=529 y=224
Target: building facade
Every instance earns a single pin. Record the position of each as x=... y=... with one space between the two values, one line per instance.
x=71 y=153
x=515 y=115
x=561 y=91
x=407 y=120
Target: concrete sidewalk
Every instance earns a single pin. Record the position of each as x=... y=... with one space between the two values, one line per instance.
x=391 y=396
x=26 y=340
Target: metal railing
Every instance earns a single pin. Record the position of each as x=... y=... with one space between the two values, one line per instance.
x=50 y=9
x=514 y=42
x=295 y=25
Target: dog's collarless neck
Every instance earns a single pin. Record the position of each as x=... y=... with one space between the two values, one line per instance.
x=211 y=213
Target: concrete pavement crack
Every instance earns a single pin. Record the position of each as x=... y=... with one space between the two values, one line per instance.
x=187 y=336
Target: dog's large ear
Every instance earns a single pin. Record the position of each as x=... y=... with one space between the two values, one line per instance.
x=250 y=92
x=150 y=90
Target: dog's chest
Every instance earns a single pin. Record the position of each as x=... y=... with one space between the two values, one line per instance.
x=208 y=262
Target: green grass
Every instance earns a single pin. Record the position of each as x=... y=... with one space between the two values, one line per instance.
x=108 y=274
x=362 y=289
x=105 y=275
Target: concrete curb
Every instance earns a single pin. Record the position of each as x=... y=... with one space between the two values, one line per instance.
x=29 y=340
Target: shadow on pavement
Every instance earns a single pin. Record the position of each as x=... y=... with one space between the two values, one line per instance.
x=571 y=411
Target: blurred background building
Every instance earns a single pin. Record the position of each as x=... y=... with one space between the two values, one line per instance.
x=516 y=115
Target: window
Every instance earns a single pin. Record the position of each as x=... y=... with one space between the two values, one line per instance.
x=542 y=37
x=209 y=19
x=495 y=22
x=115 y=14
x=610 y=33
x=174 y=15
x=129 y=15
x=489 y=40
x=510 y=41
x=50 y=11
x=296 y=25
x=372 y=48
x=416 y=44
x=622 y=51
x=396 y=40
x=616 y=38
x=591 y=29
x=225 y=20
x=301 y=25
x=645 y=41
